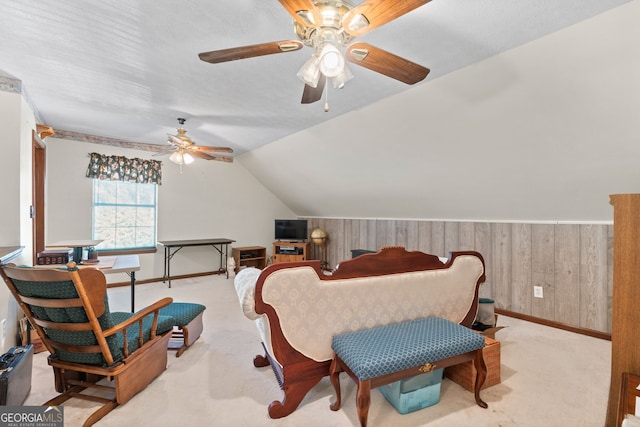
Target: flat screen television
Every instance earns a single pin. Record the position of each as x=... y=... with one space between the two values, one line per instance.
x=291 y=230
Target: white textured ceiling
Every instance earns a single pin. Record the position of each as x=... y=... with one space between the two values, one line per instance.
x=127 y=70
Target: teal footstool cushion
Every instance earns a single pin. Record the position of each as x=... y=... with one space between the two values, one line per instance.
x=187 y=324
x=182 y=312
x=387 y=349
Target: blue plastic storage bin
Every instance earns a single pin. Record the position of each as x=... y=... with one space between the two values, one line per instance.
x=414 y=393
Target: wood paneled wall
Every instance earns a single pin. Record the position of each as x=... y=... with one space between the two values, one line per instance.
x=572 y=262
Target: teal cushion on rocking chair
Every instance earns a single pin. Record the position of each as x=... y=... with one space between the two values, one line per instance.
x=67 y=290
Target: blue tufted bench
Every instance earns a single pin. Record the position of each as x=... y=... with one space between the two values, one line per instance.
x=187 y=324
x=382 y=355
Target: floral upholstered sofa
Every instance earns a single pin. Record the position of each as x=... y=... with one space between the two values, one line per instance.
x=298 y=308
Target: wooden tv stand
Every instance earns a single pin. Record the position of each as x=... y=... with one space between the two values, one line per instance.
x=290 y=251
x=250 y=256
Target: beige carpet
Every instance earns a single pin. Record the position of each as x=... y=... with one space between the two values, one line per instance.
x=550 y=378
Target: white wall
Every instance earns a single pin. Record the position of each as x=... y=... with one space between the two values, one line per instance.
x=16 y=125
x=210 y=199
x=10 y=112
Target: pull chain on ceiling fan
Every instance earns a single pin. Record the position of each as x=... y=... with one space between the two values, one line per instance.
x=328 y=27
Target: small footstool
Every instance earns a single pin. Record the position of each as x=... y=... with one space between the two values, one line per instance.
x=187 y=326
x=386 y=354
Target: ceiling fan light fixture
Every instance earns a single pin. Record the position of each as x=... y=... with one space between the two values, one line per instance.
x=331 y=60
x=181 y=158
x=176 y=157
x=310 y=71
x=340 y=80
x=187 y=158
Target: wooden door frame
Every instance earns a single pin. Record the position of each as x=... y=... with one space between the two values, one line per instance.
x=38 y=194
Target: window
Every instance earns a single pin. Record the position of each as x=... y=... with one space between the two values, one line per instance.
x=124 y=214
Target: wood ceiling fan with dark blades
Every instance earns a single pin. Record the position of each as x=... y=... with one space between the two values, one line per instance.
x=329 y=26
x=183 y=149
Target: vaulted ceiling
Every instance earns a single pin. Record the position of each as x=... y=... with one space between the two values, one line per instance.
x=127 y=71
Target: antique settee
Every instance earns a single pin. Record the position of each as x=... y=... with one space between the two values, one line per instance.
x=298 y=308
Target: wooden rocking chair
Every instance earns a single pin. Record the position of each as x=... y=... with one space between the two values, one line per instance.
x=91 y=348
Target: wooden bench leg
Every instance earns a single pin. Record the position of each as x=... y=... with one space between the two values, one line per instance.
x=363 y=393
x=363 y=400
x=334 y=376
x=481 y=369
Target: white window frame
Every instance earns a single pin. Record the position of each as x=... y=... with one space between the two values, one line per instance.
x=122 y=231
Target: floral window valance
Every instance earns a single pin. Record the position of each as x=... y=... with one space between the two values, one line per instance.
x=119 y=168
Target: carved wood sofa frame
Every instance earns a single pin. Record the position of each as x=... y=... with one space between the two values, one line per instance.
x=297 y=373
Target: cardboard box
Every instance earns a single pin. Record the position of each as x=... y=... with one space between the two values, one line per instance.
x=465 y=373
x=491 y=332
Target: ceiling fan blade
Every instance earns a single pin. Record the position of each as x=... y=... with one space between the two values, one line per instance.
x=232 y=54
x=202 y=148
x=386 y=63
x=206 y=156
x=372 y=14
x=303 y=11
x=312 y=94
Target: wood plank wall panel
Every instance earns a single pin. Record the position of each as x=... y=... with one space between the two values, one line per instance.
x=572 y=262
x=466 y=236
x=351 y=236
x=424 y=237
x=381 y=235
x=451 y=237
x=413 y=236
x=335 y=252
x=482 y=242
x=402 y=234
x=542 y=269
x=521 y=269
x=567 y=274
x=501 y=241
x=371 y=239
x=593 y=277
x=437 y=238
